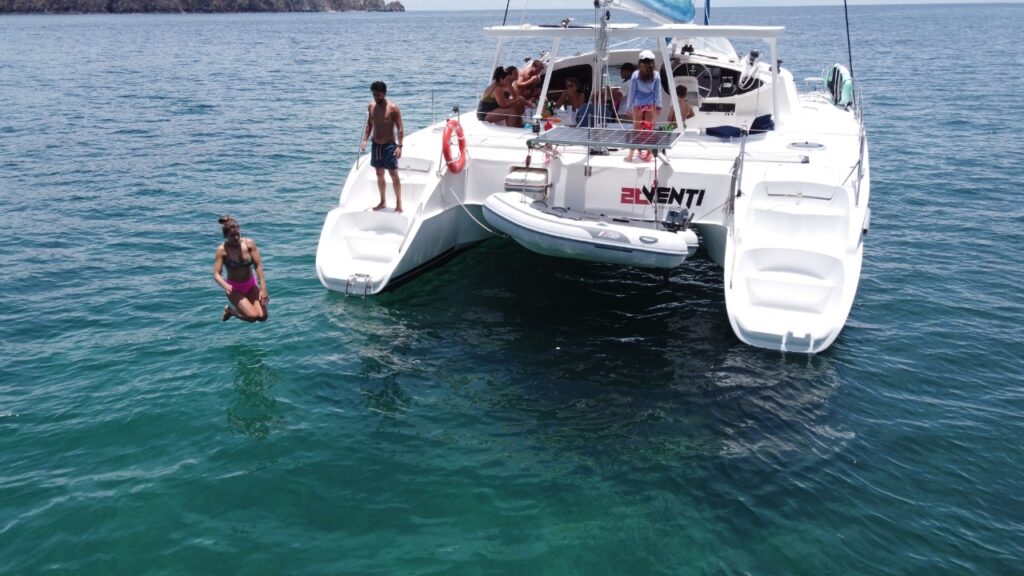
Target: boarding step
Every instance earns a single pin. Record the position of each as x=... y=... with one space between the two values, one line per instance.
x=799 y=190
x=787 y=291
x=373 y=246
x=803 y=208
x=363 y=198
x=404 y=174
x=789 y=279
x=784 y=329
x=803 y=226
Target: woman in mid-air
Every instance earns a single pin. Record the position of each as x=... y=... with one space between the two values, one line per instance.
x=249 y=299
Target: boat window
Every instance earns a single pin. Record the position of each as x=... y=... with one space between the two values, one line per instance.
x=582 y=72
x=712 y=81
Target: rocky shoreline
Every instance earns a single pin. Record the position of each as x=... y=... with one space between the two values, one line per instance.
x=193 y=6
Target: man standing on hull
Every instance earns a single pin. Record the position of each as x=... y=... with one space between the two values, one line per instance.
x=383 y=119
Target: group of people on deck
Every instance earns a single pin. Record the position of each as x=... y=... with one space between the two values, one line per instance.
x=637 y=100
x=238 y=265
x=510 y=92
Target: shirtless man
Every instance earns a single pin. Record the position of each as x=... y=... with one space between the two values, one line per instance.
x=527 y=85
x=684 y=108
x=383 y=118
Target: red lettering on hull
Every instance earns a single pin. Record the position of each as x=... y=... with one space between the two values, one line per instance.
x=632 y=196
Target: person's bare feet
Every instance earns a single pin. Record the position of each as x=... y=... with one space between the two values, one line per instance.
x=398 y=210
x=380 y=206
x=628 y=159
x=227 y=314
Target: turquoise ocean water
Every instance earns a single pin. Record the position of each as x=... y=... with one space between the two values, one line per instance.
x=507 y=413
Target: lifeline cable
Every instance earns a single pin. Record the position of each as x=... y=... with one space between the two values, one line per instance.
x=359 y=149
x=470 y=214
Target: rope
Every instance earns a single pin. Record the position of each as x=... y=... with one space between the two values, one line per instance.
x=748 y=75
x=470 y=214
x=359 y=149
x=522 y=19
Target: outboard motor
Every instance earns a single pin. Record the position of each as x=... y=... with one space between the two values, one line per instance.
x=676 y=220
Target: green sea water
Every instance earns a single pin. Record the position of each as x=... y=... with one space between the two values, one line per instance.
x=507 y=413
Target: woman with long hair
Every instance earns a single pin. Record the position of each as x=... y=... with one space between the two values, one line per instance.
x=497 y=105
x=644 y=98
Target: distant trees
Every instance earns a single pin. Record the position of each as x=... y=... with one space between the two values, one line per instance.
x=129 y=6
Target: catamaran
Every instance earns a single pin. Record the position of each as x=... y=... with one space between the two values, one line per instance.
x=772 y=182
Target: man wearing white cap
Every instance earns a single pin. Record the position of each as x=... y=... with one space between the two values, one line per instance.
x=644 y=97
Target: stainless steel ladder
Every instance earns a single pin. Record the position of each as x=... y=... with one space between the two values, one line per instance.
x=356 y=279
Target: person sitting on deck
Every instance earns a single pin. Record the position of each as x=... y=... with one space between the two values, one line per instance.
x=527 y=82
x=573 y=97
x=617 y=95
x=497 y=105
x=684 y=108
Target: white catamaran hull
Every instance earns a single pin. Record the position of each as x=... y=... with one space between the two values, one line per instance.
x=775 y=182
x=362 y=251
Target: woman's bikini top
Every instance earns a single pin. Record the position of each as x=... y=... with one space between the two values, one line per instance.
x=490 y=98
x=236 y=264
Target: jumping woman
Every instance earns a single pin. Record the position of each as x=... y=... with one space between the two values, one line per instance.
x=249 y=299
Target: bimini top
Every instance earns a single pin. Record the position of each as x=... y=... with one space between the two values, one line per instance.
x=627 y=31
x=661 y=11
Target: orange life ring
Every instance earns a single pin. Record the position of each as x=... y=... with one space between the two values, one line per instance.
x=456 y=165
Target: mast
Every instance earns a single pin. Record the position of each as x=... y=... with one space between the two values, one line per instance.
x=599 y=69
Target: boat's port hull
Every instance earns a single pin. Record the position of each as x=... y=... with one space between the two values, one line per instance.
x=365 y=262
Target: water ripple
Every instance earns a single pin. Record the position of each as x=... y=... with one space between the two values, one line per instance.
x=508 y=412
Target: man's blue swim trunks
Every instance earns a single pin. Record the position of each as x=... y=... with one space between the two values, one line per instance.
x=383 y=156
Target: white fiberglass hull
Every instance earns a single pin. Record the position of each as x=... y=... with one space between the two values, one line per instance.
x=775 y=181
x=793 y=263
x=363 y=251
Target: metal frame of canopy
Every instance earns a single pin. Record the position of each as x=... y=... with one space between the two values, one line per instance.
x=584 y=136
x=769 y=34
